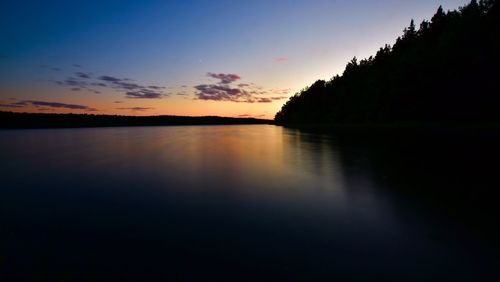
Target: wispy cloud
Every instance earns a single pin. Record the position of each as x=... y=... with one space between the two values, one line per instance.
x=227 y=87
x=83 y=75
x=134 y=90
x=264 y=100
x=110 y=79
x=45 y=105
x=52 y=68
x=87 y=81
x=135 y=109
x=250 y=116
x=144 y=94
x=10 y=106
x=99 y=84
x=280 y=60
x=156 y=87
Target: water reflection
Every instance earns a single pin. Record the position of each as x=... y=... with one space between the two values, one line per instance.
x=251 y=202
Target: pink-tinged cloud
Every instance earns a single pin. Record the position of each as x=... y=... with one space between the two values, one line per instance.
x=225 y=91
x=280 y=60
x=224 y=78
x=222 y=92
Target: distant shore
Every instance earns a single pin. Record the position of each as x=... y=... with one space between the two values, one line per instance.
x=14 y=120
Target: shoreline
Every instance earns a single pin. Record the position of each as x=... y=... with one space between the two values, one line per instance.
x=12 y=120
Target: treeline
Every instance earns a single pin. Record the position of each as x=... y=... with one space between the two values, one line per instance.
x=444 y=71
x=29 y=120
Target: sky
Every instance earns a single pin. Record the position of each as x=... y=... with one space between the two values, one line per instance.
x=191 y=57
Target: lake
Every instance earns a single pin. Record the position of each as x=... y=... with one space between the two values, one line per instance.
x=247 y=203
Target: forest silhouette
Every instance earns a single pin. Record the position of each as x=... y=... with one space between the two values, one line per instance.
x=444 y=72
x=42 y=120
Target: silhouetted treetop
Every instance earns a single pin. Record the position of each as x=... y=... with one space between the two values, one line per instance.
x=444 y=71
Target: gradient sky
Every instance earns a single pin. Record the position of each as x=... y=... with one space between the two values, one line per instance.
x=189 y=57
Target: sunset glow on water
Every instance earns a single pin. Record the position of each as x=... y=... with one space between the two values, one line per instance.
x=192 y=201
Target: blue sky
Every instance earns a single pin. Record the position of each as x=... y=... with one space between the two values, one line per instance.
x=274 y=47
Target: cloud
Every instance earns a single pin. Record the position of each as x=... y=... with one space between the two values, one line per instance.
x=144 y=94
x=134 y=90
x=85 y=81
x=224 y=91
x=130 y=86
x=156 y=87
x=10 y=106
x=280 y=60
x=224 y=78
x=73 y=83
x=250 y=116
x=44 y=104
x=217 y=92
x=281 y=91
x=52 y=68
x=109 y=78
x=57 y=105
x=83 y=75
x=264 y=100
x=135 y=109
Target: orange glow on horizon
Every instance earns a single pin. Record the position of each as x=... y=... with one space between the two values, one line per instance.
x=113 y=103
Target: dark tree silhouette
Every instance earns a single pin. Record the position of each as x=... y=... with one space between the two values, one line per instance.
x=446 y=71
x=29 y=120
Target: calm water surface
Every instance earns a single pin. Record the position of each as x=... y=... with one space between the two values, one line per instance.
x=247 y=203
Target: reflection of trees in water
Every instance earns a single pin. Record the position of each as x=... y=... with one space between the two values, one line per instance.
x=316 y=157
x=447 y=175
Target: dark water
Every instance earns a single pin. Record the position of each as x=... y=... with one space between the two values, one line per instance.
x=247 y=203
